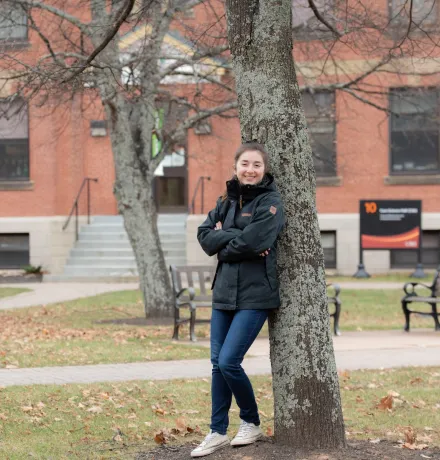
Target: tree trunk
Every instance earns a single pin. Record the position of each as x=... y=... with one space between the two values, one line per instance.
x=136 y=204
x=308 y=410
x=134 y=194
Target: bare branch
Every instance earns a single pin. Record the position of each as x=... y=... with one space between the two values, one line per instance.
x=56 y=11
x=322 y=19
x=124 y=12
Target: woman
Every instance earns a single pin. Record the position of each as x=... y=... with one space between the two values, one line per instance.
x=242 y=230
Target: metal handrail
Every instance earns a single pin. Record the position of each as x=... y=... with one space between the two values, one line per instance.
x=193 y=201
x=75 y=206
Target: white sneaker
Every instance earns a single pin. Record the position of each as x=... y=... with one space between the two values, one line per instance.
x=212 y=442
x=247 y=434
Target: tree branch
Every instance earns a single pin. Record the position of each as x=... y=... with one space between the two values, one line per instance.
x=321 y=18
x=55 y=11
x=125 y=11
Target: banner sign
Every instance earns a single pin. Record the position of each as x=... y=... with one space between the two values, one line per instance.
x=390 y=224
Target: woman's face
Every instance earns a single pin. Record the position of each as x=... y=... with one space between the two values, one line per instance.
x=250 y=167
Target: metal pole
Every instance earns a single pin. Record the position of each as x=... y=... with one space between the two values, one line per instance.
x=419 y=273
x=361 y=272
x=76 y=221
x=88 y=201
x=203 y=193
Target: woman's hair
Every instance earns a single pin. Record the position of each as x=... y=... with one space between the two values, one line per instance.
x=245 y=147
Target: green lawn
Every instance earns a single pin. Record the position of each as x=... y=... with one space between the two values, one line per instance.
x=70 y=333
x=8 y=292
x=401 y=277
x=117 y=420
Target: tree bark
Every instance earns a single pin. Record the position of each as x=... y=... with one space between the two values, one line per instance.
x=307 y=401
x=134 y=194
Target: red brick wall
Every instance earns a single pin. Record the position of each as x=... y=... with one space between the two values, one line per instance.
x=62 y=153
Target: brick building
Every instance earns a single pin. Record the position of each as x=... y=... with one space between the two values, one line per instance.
x=361 y=152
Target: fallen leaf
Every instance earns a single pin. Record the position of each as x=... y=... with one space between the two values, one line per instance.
x=415 y=446
x=416 y=380
x=27 y=408
x=95 y=409
x=410 y=436
x=394 y=394
x=386 y=403
x=3 y=417
x=181 y=423
x=269 y=431
x=159 y=438
x=375 y=441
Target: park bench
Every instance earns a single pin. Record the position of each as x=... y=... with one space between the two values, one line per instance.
x=186 y=279
x=412 y=297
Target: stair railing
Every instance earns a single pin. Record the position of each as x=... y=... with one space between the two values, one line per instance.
x=200 y=182
x=75 y=207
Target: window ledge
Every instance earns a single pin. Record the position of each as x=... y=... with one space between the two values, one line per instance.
x=412 y=180
x=332 y=181
x=16 y=185
x=14 y=44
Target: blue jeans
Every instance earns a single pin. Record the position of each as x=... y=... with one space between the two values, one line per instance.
x=232 y=334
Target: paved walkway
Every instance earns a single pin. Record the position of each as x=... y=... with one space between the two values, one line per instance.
x=47 y=293
x=355 y=350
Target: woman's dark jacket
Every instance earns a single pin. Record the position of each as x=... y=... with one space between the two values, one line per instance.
x=252 y=217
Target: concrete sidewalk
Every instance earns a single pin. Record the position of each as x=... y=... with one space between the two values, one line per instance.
x=355 y=350
x=47 y=293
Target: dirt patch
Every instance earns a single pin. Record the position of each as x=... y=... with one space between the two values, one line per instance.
x=139 y=321
x=267 y=450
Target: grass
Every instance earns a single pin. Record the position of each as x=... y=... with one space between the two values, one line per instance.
x=70 y=333
x=9 y=292
x=400 y=277
x=117 y=420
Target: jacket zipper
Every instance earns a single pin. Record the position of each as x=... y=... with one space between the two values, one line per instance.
x=241 y=201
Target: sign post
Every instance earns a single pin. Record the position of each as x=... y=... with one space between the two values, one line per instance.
x=390 y=224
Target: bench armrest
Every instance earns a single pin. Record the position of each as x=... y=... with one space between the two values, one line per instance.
x=190 y=290
x=410 y=288
x=336 y=287
x=190 y=303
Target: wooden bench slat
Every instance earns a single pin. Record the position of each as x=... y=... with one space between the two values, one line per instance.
x=422 y=299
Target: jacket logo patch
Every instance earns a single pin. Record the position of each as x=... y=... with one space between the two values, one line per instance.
x=273 y=210
x=246 y=214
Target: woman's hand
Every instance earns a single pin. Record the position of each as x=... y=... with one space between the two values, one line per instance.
x=218 y=226
x=265 y=253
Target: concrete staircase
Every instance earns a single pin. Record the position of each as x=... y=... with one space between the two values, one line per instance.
x=103 y=252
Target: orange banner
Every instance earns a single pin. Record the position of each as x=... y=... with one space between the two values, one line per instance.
x=408 y=240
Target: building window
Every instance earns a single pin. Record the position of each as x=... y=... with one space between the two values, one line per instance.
x=414 y=133
x=401 y=258
x=328 y=240
x=319 y=109
x=422 y=13
x=14 y=250
x=14 y=141
x=13 y=23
